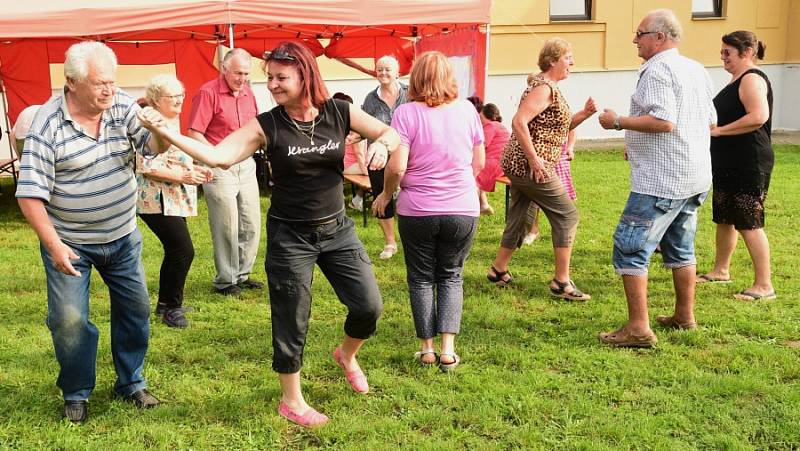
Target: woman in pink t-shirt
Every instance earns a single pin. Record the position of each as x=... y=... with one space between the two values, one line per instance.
x=441 y=151
x=496 y=137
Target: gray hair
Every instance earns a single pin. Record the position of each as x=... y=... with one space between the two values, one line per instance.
x=664 y=20
x=233 y=53
x=390 y=61
x=157 y=85
x=83 y=54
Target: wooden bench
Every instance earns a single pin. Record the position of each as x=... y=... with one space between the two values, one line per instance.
x=505 y=181
x=362 y=182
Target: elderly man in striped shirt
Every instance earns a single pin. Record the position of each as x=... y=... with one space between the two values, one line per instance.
x=78 y=192
x=667 y=138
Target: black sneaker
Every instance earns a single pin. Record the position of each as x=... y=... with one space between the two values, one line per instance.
x=230 y=290
x=142 y=399
x=250 y=284
x=175 y=317
x=76 y=411
x=161 y=308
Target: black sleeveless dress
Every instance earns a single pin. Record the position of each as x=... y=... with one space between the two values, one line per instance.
x=741 y=164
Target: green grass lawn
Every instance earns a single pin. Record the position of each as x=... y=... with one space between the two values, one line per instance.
x=533 y=374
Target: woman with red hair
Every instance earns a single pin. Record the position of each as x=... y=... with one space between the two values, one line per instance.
x=306 y=224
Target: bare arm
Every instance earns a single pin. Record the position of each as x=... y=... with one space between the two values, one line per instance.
x=234 y=148
x=381 y=134
x=478 y=159
x=537 y=101
x=644 y=124
x=395 y=170
x=753 y=94
x=36 y=215
x=571 y=144
x=589 y=108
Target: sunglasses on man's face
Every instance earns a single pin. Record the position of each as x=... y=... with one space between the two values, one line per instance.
x=280 y=56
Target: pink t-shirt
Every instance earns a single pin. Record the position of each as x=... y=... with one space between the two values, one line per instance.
x=438 y=179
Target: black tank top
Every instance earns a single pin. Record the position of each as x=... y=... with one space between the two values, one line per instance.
x=751 y=151
x=307 y=176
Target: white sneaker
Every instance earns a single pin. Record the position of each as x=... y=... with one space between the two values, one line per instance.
x=357 y=203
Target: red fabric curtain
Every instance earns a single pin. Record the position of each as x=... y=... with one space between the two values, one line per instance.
x=194 y=65
x=464 y=42
x=25 y=73
x=257 y=46
x=372 y=47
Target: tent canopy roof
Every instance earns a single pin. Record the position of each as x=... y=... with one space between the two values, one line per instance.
x=209 y=19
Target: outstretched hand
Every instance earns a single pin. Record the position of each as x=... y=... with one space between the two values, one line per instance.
x=151 y=119
x=590 y=107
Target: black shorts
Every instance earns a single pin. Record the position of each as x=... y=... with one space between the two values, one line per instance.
x=739 y=198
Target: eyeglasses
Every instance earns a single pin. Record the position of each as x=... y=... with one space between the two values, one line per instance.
x=175 y=97
x=281 y=56
x=639 y=34
x=100 y=85
x=725 y=52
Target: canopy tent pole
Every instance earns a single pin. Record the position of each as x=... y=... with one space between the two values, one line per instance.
x=486 y=63
x=230 y=36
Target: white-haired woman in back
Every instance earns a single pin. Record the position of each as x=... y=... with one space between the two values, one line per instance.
x=167 y=194
x=381 y=104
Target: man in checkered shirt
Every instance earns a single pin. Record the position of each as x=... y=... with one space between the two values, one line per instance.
x=667 y=144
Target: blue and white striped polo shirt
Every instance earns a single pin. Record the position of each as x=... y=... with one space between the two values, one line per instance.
x=87 y=184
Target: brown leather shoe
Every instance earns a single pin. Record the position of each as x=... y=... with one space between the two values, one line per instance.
x=623 y=339
x=671 y=323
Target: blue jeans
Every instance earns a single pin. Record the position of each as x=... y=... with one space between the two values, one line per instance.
x=650 y=220
x=75 y=337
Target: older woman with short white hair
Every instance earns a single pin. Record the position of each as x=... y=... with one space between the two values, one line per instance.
x=381 y=104
x=167 y=194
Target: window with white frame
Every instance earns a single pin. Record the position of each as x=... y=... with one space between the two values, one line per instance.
x=706 y=8
x=570 y=10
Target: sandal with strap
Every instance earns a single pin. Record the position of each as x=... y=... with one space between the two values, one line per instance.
x=445 y=367
x=499 y=277
x=420 y=354
x=574 y=295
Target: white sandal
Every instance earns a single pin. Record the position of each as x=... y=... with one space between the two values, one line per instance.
x=388 y=251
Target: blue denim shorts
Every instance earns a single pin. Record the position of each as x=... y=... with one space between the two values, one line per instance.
x=650 y=220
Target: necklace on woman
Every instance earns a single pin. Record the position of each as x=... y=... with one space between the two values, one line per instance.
x=305 y=130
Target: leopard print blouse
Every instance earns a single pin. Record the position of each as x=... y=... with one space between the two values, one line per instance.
x=548 y=132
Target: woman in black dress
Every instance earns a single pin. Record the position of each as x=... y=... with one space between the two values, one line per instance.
x=742 y=161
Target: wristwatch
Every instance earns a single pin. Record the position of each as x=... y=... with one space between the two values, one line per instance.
x=617 y=126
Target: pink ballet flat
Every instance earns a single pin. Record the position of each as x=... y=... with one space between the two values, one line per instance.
x=356 y=378
x=310 y=419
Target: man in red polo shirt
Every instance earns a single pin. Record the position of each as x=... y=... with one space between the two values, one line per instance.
x=221 y=107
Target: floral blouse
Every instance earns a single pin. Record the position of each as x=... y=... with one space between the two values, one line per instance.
x=177 y=199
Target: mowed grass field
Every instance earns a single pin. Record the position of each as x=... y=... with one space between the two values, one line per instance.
x=533 y=374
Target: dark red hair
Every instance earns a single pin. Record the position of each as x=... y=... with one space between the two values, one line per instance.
x=300 y=57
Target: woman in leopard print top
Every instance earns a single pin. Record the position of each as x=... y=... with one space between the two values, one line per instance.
x=540 y=127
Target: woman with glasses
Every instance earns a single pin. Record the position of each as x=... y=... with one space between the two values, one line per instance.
x=741 y=163
x=167 y=194
x=441 y=152
x=381 y=104
x=539 y=129
x=306 y=225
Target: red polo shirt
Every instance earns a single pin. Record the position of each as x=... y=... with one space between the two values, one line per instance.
x=216 y=112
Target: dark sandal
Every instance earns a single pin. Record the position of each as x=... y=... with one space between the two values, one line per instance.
x=499 y=278
x=561 y=292
x=445 y=367
x=420 y=354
